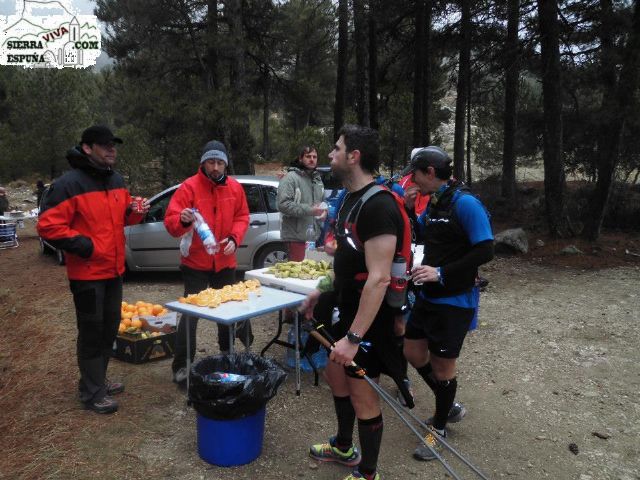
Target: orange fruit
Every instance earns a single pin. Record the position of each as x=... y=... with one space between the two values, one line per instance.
x=143 y=311
x=127 y=315
x=140 y=303
x=121 y=328
x=126 y=322
x=131 y=308
x=136 y=323
x=156 y=309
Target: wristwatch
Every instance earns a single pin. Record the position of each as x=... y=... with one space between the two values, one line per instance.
x=354 y=338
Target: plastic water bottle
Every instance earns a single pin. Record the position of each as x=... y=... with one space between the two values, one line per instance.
x=223 y=377
x=205 y=234
x=396 y=291
x=310 y=236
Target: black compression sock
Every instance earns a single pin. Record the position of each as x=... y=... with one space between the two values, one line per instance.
x=346 y=418
x=370 y=432
x=445 y=394
x=426 y=372
x=399 y=340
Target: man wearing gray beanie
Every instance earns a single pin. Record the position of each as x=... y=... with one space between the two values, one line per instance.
x=222 y=203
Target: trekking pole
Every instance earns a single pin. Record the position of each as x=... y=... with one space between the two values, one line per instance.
x=440 y=440
x=378 y=389
x=398 y=408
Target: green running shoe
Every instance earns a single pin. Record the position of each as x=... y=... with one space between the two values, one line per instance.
x=327 y=452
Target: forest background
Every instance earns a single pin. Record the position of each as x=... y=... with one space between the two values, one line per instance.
x=503 y=86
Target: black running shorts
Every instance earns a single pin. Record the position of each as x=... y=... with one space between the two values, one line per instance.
x=443 y=326
x=381 y=356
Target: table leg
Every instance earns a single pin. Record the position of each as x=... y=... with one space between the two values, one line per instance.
x=232 y=337
x=296 y=323
x=276 y=338
x=185 y=318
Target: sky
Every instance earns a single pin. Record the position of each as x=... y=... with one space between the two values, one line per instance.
x=83 y=7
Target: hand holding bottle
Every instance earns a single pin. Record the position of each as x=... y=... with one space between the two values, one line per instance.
x=187 y=216
x=206 y=235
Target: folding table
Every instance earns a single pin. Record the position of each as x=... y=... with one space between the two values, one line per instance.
x=230 y=313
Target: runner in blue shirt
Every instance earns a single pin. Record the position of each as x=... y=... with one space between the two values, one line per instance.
x=458 y=239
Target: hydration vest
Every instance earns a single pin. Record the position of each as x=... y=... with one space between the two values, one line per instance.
x=445 y=241
x=404 y=248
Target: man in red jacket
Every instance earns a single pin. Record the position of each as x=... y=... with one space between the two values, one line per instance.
x=84 y=214
x=221 y=201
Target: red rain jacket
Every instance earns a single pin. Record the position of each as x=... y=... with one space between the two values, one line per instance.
x=223 y=206
x=84 y=214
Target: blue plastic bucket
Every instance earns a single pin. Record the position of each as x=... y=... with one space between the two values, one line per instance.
x=231 y=442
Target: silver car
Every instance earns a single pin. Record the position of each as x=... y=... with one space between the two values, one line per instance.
x=150 y=247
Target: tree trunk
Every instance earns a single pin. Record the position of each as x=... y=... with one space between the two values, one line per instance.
x=360 y=39
x=462 y=89
x=266 y=103
x=617 y=104
x=512 y=73
x=239 y=136
x=418 y=74
x=343 y=61
x=373 y=65
x=554 y=179
x=425 y=137
x=469 y=177
x=211 y=58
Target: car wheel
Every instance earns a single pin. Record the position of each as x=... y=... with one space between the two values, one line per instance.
x=60 y=257
x=270 y=255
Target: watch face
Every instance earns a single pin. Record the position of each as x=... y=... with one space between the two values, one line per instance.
x=354 y=338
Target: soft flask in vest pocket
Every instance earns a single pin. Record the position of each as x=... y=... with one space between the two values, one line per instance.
x=397 y=289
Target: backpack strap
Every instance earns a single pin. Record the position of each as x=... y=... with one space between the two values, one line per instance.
x=352 y=235
x=354 y=214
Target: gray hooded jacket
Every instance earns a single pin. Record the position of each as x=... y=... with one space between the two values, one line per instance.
x=298 y=190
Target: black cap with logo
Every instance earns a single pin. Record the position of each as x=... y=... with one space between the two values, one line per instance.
x=99 y=134
x=424 y=157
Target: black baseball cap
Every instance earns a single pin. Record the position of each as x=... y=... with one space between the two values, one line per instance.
x=99 y=134
x=424 y=157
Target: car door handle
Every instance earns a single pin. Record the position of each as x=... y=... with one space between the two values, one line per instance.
x=257 y=223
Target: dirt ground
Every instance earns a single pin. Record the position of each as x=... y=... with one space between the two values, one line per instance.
x=554 y=362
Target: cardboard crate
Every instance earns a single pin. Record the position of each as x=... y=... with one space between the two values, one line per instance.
x=141 y=350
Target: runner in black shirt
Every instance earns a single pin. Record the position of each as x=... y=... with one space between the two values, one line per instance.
x=363 y=312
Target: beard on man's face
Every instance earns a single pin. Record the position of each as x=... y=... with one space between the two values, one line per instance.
x=338 y=173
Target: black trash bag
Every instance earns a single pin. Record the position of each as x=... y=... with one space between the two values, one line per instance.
x=254 y=380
